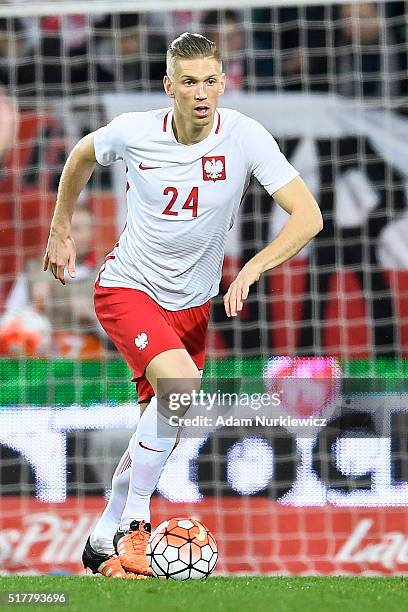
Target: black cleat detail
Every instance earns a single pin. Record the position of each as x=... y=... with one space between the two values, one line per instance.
x=91 y=558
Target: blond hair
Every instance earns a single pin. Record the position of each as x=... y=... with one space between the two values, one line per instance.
x=190 y=46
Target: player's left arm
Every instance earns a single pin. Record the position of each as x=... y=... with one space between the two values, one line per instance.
x=304 y=223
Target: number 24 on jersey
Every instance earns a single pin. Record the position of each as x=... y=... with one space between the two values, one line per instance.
x=191 y=203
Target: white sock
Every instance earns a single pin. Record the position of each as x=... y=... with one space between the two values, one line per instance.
x=149 y=456
x=102 y=535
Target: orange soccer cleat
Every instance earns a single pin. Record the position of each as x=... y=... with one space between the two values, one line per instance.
x=131 y=547
x=112 y=568
x=106 y=565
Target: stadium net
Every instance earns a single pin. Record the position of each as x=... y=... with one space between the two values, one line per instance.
x=330 y=83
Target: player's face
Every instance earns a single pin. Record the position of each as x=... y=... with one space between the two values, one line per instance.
x=195 y=86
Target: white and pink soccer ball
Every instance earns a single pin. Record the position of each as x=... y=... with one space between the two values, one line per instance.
x=182 y=548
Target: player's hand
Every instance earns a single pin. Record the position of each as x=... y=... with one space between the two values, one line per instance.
x=60 y=254
x=239 y=288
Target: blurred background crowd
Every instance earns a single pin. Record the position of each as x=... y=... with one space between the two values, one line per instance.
x=354 y=50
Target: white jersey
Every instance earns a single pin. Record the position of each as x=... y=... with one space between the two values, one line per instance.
x=182 y=200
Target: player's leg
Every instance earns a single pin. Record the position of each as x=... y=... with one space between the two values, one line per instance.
x=99 y=550
x=104 y=530
x=154 y=442
x=138 y=327
x=99 y=554
x=101 y=538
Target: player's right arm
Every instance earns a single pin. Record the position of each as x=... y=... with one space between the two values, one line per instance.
x=60 y=252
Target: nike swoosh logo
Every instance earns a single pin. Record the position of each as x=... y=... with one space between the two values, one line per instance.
x=150 y=449
x=201 y=535
x=143 y=167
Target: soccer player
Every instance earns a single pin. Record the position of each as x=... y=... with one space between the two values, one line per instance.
x=188 y=167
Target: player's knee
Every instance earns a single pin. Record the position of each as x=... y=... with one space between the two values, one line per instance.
x=175 y=378
x=177 y=395
x=174 y=364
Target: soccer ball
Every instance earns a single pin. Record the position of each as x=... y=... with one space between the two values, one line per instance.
x=182 y=548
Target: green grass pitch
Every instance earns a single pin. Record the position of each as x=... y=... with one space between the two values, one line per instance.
x=277 y=594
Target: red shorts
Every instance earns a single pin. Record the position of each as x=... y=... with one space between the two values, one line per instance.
x=141 y=329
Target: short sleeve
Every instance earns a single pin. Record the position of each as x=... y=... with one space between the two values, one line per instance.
x=109 y=142
x=266 y=161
